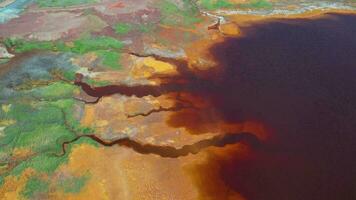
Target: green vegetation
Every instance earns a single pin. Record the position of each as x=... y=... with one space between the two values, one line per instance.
x=109 y=58
x=43 y=163
x=41 y=126
x=105 y=47
x=21 y=46
x=125 y=28
x=259 y=4
x=146 y=28
x=34 y=186
x=219 y=4
x=215 y=4
x=122 y=28
x=54 y=91
x=62 y=3
x=24 y=46
x=174 y=15
x=69 y=74
x=97 y=83
x=86 y=45
x=41 y=123
x=73 y=184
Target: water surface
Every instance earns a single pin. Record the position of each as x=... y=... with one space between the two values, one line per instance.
x=298 y=79
x=13 y=10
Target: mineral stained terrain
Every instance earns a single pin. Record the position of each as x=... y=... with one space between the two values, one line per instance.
x=177 y=99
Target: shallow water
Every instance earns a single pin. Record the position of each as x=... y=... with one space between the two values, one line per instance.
x=13 y=10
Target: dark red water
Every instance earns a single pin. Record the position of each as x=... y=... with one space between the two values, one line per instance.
x=298 y=77
x=295 y=77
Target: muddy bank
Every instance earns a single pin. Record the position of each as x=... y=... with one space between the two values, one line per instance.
x=297 y=79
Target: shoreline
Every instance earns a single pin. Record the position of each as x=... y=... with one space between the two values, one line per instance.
x=250 y=19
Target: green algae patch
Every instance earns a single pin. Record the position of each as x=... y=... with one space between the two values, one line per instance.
x=185 y=16
x=91 y=44
x=73 y=184
x=80 y=46
x=63 y=3
x=122 y=28
x=57 y=90
x=43 y=163
x=40 y=126
x=35 y=186
x=215 y=4
x=110 y=58
x=125 y=28
x=107 y=48
x=46 y=136
x=258 y=4
x=97 y=83
x=146 y=28
x=22 y=46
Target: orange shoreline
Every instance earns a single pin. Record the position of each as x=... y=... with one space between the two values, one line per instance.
x=249 y=19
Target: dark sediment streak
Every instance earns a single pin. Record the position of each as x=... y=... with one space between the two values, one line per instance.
x=171 y=152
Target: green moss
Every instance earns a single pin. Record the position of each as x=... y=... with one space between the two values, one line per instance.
x=60 y=47
x=67 y=106
x=81 y=46
x=106 y=47
x=43 y=163
x=28 y=46
x=73 y=184
x=21 y=46
x=186 y=16
x=125 y=28
x=62 y=3
x=57 y=90
x=42 y=127
x=34 y=186
x=37 y=128
x=44 y=138
x=146 y=28
x=122 y=28
x=69 y=75
x=215 y=4
x=97 y=83
x=47 y=163
x=109 y=58
x=86 y=45
x=259 y=4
